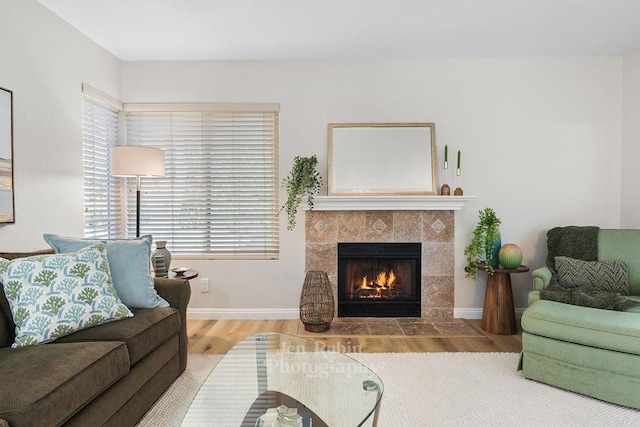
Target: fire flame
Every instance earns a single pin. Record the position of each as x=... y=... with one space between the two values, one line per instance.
x=383 y=281
x=365 y=284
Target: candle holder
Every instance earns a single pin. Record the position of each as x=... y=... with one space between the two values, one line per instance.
x=445 y=190
x=458 y=190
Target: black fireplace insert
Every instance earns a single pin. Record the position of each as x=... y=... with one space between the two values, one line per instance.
x=379 y=279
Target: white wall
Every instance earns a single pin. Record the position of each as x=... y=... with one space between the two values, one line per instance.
x=630 y=217
x=44 y=61
x=540 y=137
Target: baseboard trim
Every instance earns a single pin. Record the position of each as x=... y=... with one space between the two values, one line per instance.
x=476 y=313
x=293 y=313
x=242 y=313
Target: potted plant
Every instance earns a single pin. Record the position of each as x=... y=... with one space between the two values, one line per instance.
x=303 y=180
x=484 y=244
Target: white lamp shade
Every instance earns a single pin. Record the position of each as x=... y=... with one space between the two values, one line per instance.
x=137 y=161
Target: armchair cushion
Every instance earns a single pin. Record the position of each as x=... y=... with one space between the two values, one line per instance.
x=611 y=330
x=606 y=276
x=588 y=297
x=624 y=245
x=572 y=241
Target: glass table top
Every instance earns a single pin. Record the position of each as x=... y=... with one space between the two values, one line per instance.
x=265 y=371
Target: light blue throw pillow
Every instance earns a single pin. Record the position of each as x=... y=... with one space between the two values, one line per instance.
x=129 y=261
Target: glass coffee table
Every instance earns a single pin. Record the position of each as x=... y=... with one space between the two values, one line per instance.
x=295 y=379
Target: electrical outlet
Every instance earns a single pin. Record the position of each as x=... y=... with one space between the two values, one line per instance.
x=204 y=285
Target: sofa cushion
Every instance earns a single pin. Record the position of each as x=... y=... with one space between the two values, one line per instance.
x=4 y=304
x=41 y=396
x=624 y=245
x=611 y=330
x=606 y=276
x=53 y=295
x=5 y=339
x=130 y=263
x=142 y=333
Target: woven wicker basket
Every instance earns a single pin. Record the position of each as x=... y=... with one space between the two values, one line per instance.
x=316 y=302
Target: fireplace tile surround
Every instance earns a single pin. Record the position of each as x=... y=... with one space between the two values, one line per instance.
x=433 y=228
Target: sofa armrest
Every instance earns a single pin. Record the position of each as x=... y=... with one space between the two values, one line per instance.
x=541 y=278
x=177 y=293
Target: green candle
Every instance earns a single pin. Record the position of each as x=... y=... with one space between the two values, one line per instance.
x=446 y=153
x=458 y=159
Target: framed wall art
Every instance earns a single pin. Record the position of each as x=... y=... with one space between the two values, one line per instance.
x=6 y=157
x=382 y=159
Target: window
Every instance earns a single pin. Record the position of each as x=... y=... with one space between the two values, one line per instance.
x=219 y=195
x=101 y=131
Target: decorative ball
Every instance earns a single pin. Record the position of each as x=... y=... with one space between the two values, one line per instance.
x=510 y=256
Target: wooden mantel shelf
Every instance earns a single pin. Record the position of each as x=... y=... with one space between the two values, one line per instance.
x=388 y=203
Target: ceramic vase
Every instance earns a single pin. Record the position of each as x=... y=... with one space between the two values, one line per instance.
x=161 y=251
x=492 y=251
x=510 y=256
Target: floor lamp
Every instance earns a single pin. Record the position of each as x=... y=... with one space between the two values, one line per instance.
x=137 y=161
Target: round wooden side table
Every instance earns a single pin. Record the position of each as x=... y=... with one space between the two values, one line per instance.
x=187 y=275
x=498 y=313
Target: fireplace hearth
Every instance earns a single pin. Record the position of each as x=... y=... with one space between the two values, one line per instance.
x=379 y=279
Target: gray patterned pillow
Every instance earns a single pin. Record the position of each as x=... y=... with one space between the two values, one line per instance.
x=606 y=276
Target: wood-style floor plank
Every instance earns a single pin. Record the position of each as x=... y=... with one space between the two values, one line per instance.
x=218 y=336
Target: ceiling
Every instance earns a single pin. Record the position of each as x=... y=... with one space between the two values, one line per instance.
x=353 y=29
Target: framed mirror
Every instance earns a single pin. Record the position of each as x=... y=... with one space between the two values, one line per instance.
x=382 y=159
x=6 y=156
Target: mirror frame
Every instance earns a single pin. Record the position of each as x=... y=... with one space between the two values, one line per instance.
x=7 y=205
x=338 y=184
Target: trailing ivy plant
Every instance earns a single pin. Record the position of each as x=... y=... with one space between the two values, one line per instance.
x=303 y=180
x=480 y=245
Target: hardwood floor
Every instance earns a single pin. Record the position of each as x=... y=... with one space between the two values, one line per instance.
x=218 y=336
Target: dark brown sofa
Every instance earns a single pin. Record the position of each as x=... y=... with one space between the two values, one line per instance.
x=105 y=375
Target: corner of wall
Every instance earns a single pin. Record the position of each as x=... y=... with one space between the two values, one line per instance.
x=630 y=173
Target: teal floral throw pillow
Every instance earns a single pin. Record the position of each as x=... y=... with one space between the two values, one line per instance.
x=54 y=295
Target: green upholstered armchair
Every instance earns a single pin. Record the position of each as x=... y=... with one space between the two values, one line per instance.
x=587 y=350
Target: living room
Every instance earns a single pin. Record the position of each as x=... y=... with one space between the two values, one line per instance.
x=548 y=131
x=566 y=120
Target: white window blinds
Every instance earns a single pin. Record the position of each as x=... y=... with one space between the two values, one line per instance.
x=101 y=131
x=218 y=198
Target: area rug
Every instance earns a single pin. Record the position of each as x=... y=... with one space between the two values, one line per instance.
x=437 y=389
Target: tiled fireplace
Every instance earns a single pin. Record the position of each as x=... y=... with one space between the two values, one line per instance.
x=432 y=229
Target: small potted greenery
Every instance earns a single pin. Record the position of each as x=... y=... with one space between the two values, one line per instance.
x=303 y=180
x=484 y=244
